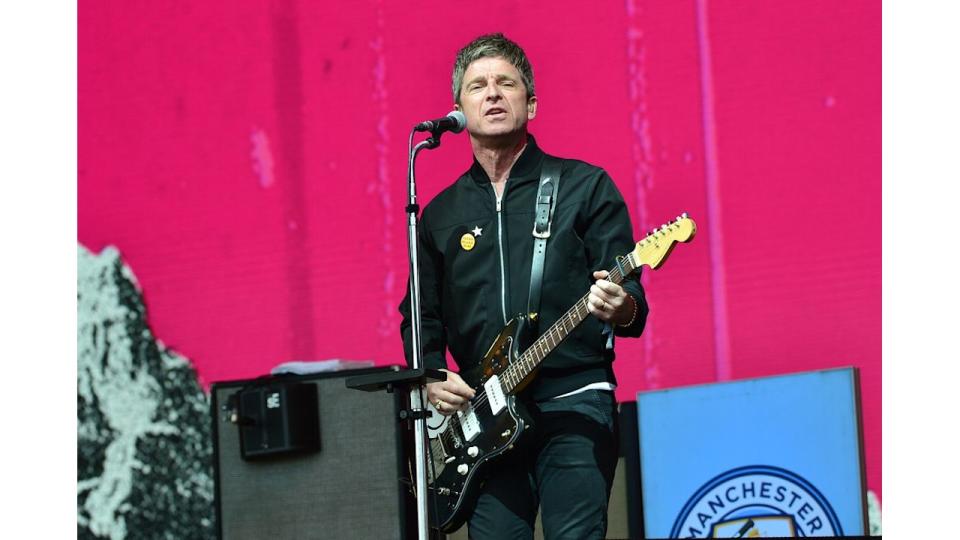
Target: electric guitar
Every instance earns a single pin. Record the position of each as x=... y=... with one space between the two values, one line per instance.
x=463 y=444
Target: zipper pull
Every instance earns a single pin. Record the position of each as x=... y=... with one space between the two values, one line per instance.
x=498 y=204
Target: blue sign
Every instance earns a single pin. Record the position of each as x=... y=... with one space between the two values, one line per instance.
x=777 y=456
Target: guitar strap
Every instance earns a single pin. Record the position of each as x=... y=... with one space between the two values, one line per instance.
x=546 y=203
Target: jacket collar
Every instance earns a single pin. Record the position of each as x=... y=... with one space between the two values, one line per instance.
x=527 y=165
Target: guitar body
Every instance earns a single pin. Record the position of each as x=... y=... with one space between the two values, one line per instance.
x=459 y=464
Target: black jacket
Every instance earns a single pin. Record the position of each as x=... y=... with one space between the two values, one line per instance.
x=464 y=301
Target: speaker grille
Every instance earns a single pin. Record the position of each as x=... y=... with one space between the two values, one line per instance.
x=350 y=489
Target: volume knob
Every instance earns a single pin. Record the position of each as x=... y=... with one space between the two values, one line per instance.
x=473 y=451
x=463 y=468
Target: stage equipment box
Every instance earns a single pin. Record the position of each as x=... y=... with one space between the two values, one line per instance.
x=317 y=460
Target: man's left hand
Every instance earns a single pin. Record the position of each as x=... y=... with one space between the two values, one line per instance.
x=608 y=301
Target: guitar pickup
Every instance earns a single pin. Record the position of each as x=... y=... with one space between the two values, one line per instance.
x=495 y=395
x=469 y=423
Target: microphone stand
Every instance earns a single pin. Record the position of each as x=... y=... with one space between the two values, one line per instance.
x=416 y=393
x=417 y=377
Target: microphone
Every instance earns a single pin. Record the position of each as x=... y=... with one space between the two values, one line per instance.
x=455 y=122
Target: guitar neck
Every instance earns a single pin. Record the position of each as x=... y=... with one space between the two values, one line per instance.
x=527 y=362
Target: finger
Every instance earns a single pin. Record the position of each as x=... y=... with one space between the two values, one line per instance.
x=443 y=408
x=462 y=390
x=439 y=394
x=449 y=398
x=447 y=408
x=602 y=295
x=606 y=303
x=458 y=385
x=595 y=307
x=432 y=390
x=601 y=274
x=612 y=303
x=609 y=287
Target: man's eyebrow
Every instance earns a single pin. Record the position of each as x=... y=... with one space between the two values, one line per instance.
x=499 y=77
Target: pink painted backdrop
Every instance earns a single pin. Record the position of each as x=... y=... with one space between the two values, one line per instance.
x=249 y=158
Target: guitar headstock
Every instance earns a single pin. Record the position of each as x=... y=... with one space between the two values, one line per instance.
x=654 y=249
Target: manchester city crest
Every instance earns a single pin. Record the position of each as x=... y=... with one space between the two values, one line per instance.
x=756 y=501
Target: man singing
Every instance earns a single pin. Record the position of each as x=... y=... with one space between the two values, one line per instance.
x=476 y=251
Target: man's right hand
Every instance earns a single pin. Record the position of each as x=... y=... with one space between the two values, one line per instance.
x=451 y=395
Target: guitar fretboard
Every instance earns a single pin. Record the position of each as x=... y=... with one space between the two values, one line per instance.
x=548 y=341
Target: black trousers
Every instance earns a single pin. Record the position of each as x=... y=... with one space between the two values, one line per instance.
x=564 y=465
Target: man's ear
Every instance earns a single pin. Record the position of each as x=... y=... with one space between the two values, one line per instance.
x=456 y=107
x=531 y=107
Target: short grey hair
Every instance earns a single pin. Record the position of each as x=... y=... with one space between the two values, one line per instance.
x=491 y=46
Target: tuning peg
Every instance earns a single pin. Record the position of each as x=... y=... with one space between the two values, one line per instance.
x=684 y=215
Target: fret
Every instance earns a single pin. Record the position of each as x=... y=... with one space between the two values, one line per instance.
x=566 y=324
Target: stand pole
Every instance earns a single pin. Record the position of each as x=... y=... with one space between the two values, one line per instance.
x=416 y=393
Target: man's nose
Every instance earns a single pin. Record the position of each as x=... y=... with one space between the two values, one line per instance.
x=493 y=91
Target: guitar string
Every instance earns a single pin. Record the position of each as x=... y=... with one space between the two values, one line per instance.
x=581 y=311
x=541 y=344
x=614 y=276
x=526 y=356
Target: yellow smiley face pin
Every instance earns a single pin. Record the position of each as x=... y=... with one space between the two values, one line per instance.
x=467 y=241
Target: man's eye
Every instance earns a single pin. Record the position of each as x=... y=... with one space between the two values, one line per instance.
x=509 y=83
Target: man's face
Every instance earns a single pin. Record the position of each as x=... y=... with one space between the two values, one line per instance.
x=494 y=98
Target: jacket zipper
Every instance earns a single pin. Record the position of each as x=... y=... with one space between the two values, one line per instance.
x=503 y=272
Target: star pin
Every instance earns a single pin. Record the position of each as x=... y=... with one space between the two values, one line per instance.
x=477 y=231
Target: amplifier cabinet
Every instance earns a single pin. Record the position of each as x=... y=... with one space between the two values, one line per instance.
x=350 y=488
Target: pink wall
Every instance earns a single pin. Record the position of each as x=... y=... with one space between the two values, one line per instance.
x=248 y=160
